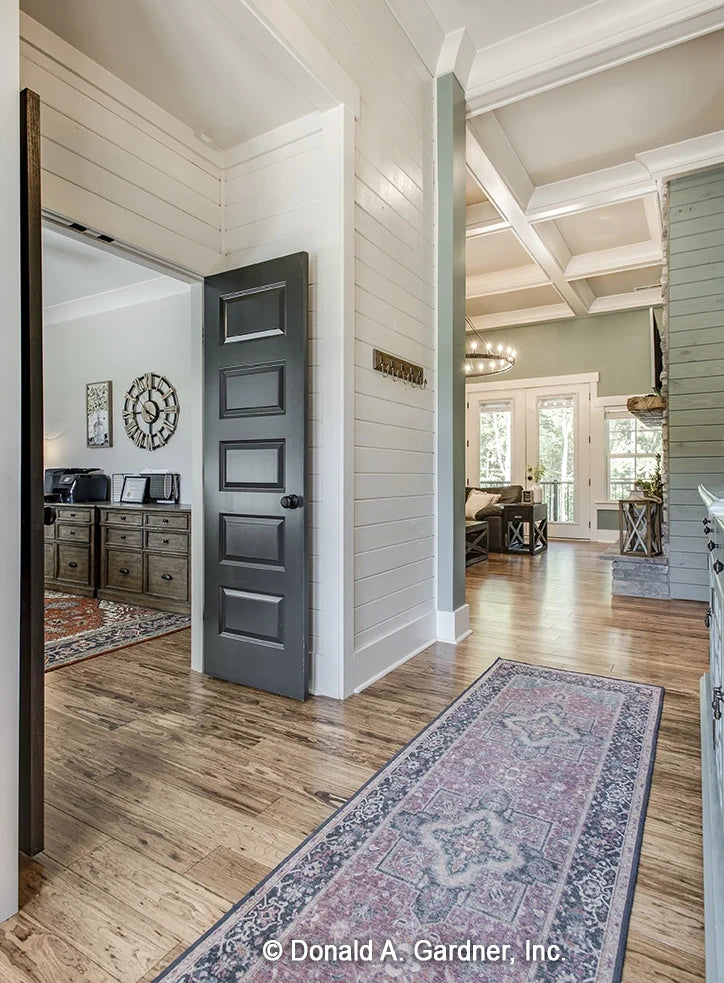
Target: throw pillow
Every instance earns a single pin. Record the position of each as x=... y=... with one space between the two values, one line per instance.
x=476 y=501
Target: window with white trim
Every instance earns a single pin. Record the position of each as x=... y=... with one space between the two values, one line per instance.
x=631 y=449
x=496 y=420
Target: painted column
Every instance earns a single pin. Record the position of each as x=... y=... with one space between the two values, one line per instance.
x=452 y=612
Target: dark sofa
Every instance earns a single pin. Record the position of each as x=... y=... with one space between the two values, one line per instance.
x=509 y=495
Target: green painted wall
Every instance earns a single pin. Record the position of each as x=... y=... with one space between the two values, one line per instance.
x=615 y=345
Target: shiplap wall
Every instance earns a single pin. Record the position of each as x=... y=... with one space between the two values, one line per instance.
x=117 y=160
x=696 y=370
x=274 y=205
x=394 y=310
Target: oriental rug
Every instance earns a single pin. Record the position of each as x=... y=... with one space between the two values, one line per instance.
x=79 y=628
x=500 y=846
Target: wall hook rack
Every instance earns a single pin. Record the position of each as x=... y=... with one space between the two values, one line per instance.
x=398 y=369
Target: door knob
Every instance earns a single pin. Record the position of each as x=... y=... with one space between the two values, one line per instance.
x=718 y=566
x=291 y=501
x=711 y=545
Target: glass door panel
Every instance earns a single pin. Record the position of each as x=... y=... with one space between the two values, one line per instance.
x=495 y=447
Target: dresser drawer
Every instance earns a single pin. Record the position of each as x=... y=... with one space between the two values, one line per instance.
x=167 y=542
x=123 y=570
x=76 y=515
x=115 y=517
x=165 y=520
x=74 y=564
x=167 y=576
x=126 y=538
x=50 y=561
x=73 y=534
x=49 y=532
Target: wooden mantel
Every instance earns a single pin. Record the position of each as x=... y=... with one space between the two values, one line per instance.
x=650 y=408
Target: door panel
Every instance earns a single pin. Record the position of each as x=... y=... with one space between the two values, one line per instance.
x=256 y=610
x=32 y=537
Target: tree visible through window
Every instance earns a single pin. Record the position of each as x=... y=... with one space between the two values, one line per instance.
x=631 y=449
x=557 y=453
x=495 y=444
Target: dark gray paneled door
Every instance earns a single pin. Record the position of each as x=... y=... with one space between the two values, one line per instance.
x=255 y=423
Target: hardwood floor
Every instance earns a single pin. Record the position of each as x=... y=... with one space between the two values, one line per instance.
x=170 y=795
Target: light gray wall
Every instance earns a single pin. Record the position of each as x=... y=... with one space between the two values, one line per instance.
x=451 y=345
x=118 y=345
x=9 y=455
x=696 y=370
x=615 y=345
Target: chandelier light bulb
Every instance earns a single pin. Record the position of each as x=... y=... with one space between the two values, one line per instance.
x=475 y=345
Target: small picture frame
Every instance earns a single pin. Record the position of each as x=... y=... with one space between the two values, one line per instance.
x=135 y=489
x=99 y=414
x=527 y=496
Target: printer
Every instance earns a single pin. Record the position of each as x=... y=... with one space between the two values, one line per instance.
x=76 y=485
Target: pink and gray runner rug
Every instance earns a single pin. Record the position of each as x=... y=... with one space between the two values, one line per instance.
x=500 y=846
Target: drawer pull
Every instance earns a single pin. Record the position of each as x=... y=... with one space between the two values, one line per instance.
x=707 y=530
x=166 y=576
x=711 y=545
x=124 y=571
x=73 y=564
x=718 y=566
x=123 y=536
x=165 y=521
x=72 y=515
x=166 y=542
x=123 y=518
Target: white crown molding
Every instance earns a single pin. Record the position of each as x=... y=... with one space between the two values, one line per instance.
x=590 y=40
x=505 y=281
x=620 y=258
x=529 y=315
x=111 y=300
x=696 y=154
x=422 y=28
x=490 y=134
x=654 y=219
x=457 y=55
x=651 y=297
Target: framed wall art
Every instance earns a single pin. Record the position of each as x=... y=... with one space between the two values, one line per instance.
x=99 y=414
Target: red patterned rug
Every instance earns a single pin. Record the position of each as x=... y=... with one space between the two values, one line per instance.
x=81 y=627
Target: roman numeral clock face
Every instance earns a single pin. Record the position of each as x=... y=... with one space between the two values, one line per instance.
x=151 y=411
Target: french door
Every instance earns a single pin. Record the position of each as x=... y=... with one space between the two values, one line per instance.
x=511 y=429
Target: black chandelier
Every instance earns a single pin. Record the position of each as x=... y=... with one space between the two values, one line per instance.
x=482 y=358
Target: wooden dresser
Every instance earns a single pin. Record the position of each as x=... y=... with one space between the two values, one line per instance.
x=71 y=550
x=146 y=555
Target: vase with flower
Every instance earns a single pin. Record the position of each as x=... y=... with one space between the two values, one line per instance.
x=535 y=473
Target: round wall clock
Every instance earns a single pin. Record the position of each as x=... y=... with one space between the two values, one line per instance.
x=151 y=411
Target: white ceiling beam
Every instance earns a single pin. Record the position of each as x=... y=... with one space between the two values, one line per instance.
x=528 y=315
x=620 y=258
x=650 y=297
x=682 y=158
x=482 y=219
x=589 y=40
x=497 y=186
x=609 y=186
x=457 y=54
x=505 y=281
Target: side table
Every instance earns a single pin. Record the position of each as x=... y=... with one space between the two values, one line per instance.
x=525 y=528
x=476 y=541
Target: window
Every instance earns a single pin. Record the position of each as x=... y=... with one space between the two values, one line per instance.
x=557 y=453
x=631 y=449
x=495 y=443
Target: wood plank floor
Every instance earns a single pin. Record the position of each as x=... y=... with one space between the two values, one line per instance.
x=170 y=795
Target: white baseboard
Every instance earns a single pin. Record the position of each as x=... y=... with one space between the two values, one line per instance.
x=378 y=658
x=453 y=626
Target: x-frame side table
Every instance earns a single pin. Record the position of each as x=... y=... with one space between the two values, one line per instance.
x=525 y=527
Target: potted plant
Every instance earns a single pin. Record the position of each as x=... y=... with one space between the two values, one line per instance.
x=535 y=473
x=652 y=487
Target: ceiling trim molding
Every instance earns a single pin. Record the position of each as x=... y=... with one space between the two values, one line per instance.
x=654 y=219
x=457 y=55
x=651 y=297
x=483 y=219
x=609 y=186
x=529 y=315
x=587 y=41
x=615 y=260
x=144 y=292
x=505 y=281
x=696 y=154
x=498 y=191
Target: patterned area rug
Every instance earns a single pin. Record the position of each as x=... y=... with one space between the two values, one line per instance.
x=80 y=627
x=513 y=821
